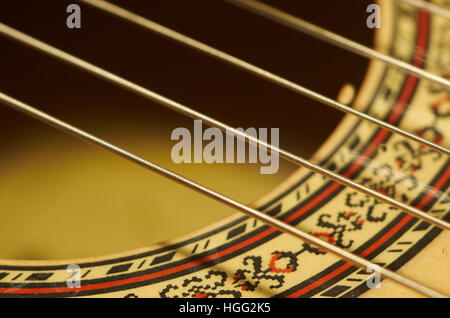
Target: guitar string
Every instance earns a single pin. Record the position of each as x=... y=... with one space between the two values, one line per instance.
x=265 y=218
x=322 y=34
x=152 y=26
x=325 y=35
x=430 y=7
x=385 y=273
x=146 y=93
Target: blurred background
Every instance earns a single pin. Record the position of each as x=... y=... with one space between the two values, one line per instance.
x=61 y=198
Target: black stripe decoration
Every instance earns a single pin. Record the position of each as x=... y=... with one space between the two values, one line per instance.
x=3 y=275
x=163 y=258
x=335 y=291
x=236 y=231
x=85 y=274
x=39 y=276
x=395 y=251
x=354 y=143
x=332 y=166
x=142 y=263
x=422 y=226
x=119 y=268
x=275 y=210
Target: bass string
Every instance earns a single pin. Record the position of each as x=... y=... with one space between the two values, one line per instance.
x=267 y=219
x=239 y=63
x=189 y=112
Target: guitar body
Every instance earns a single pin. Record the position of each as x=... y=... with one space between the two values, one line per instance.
x=238 y=256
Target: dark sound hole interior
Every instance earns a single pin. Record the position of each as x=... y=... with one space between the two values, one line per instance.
x=54 y=184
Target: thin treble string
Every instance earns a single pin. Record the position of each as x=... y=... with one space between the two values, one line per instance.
x=265 y=218
x=150 y=25
x=146 y=93
x=333 y=38
x=352 y=46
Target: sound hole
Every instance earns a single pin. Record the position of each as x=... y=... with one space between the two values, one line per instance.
x=62 y=198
